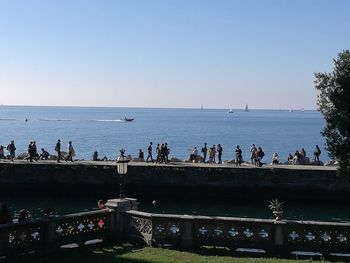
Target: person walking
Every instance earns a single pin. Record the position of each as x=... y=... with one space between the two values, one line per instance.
x=260 y=154
x=30 y=152
x=317 y=153
x=58 y=150
x=219 y=150
x=149 y=150
x=12 y=149
x=166 y=153
x=35 y=152
x=204 y=151
x=214 y=153
x=253 y=150
x=71 y=152
x=238 y=152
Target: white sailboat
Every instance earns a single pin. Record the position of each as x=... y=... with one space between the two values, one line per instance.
x=246 y=109
x=230 y=110
x=291 y=109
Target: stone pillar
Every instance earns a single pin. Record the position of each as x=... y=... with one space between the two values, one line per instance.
x=187 y=233
x=118 y=224
x=280 y=249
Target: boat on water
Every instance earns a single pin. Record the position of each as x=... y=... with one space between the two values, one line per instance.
x=230 y=110
x=127 y=119
x=291 y=109
x=246 y=109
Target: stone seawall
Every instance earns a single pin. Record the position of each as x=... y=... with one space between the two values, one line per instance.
x=175 y=180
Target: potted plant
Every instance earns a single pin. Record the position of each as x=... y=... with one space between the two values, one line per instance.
x=276 y=206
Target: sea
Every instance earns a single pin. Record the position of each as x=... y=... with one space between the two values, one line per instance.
x=105 y=130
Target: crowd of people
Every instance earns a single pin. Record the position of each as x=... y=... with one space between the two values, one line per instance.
x=162 y=153
x=32 y=152
x=207 y=154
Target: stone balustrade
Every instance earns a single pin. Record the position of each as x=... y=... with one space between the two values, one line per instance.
x=275 y=238
x=53 y=232
x=120 y=223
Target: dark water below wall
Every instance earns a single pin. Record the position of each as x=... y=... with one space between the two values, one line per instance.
x=319 y=211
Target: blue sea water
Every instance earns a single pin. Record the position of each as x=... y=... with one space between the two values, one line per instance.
x=101 y=129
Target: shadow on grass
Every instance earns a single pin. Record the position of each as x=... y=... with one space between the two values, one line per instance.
x=104 y=253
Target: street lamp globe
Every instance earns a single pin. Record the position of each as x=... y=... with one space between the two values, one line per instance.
x=122 y=163
x=122 y=169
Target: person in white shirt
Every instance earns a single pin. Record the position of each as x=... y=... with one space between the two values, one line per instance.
x=71 y=152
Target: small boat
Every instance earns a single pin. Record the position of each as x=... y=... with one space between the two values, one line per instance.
x=246 y=108
x=230 y=110
x=202 y=108
x=291 y=109
x=127 y=119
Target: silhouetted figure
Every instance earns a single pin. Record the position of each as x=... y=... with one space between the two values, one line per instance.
x=44 y=155
x=71 y=152
x=12 y=150
x=101 y=204
x=141 y=154
x=149 y=151
x=58 y=150
x=260 y=155
x=204 y=151
x=317 y=153
x=238 y=152
x=219 y=150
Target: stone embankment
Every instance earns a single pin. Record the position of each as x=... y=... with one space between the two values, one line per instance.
x=176 y=180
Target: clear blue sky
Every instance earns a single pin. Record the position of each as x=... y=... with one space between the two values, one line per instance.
x=168 y=53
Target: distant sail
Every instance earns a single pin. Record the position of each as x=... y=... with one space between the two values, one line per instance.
x=291 y=109
x=246 y=109
x=230 y=110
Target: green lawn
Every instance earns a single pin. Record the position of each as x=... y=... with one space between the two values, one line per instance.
x=130 y=254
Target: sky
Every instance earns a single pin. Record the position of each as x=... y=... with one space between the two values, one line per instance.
x=168 y=53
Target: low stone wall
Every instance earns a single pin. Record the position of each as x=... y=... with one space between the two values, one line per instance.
x=177 y=180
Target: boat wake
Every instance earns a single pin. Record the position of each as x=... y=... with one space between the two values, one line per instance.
x=110 y=120
x=54 y=120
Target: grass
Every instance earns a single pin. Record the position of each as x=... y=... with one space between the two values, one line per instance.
x=131 y=254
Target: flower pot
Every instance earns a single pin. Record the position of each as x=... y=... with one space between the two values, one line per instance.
x=278 y=215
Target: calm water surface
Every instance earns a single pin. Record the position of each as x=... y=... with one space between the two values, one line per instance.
x=319 y=211
x=101 y=129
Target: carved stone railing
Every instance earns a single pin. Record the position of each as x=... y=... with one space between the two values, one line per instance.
x=51 y=233
x=276 y=238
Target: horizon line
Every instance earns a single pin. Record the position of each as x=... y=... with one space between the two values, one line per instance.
x=153 y=107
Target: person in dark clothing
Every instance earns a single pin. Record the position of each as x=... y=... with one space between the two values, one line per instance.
x=30 y=152
x=12 y=149
x=317 y=153
x=219 y=150
x=44 y=155
x=260 y=154
x=35 y=152
x=162 y=153
x=204 y=151
x=58 y=150
x=141 y=155
x=238 y=152
x=149 y=151
x=166 y=153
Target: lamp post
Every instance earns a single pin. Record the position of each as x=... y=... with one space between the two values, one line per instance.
x=122 y=169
